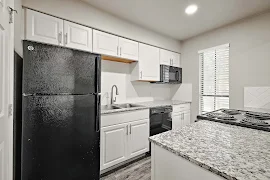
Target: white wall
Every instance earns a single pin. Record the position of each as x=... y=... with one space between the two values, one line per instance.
x=119 y=74
x=81 y=12
x=249 y=57
x=18 y=23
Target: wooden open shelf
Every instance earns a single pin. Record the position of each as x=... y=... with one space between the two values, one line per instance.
x=117 y=59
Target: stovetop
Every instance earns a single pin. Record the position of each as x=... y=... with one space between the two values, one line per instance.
x=249 y=119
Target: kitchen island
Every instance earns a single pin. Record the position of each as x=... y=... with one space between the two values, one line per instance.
x=208 y=150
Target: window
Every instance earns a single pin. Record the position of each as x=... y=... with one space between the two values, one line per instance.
x=214 y=78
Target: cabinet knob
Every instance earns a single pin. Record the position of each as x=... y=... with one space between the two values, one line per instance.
x=65 y=39
x=127 y=129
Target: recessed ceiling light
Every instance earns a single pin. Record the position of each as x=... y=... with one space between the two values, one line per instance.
x=191 y=9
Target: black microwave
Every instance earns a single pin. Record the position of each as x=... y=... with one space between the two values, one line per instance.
x=170 y=74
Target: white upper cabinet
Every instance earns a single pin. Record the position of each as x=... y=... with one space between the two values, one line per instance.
x=77 y=36
x=47 y=29
x=43 y=28
x=128 y=49
x=112 y=45
x=165 y=57
x=176 y=60
x=169 y=58
x=149 y=69
x=104 y=43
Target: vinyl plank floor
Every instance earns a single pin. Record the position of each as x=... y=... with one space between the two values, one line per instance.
x=140 y=170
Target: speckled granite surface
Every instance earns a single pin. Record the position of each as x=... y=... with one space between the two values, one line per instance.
x=233 y=152
x=151 y=104
x=145 y=105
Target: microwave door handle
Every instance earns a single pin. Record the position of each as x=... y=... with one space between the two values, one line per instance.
x=176 y=76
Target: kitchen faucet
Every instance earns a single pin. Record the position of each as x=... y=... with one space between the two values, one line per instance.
x=114 y=99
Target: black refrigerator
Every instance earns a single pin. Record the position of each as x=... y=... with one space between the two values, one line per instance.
x=60 y=114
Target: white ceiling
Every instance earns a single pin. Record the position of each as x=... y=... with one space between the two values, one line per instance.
x=168 y=16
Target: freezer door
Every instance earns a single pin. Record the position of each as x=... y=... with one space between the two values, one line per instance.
x=49 y=69
x=60 y=138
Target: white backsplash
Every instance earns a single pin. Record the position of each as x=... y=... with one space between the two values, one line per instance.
x=257 y=97
x=119 y=74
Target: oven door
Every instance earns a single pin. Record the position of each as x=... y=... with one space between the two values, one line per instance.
x=160 y=123
x=175 y=75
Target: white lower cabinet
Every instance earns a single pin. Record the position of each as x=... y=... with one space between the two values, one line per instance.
x=113 y=145
x=180 y=116
x=123 y=136
x=186 y=118
x=176 y=121
x=138 y=138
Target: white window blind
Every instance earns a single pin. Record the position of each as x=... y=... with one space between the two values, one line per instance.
x=214 y=78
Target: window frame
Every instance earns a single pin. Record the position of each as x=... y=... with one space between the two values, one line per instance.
x=214 y=49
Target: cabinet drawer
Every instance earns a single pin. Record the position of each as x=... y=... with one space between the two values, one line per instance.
x=123 y=117
x=181 y=107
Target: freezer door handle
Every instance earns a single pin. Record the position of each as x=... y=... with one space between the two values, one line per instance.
x=98 y=113
x=98 y=73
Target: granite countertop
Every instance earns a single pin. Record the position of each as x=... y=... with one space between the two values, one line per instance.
x=145 y=105
x=123 y=110
x=233 y=152
x=151 y=104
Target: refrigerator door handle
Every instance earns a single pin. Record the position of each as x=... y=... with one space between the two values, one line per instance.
x=98 y=73
x=98 y=113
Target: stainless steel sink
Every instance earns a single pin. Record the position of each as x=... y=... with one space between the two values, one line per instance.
x=109 y=107
x=126 y=105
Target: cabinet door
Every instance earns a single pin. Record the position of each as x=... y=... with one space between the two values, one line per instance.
x=187 y=117
x=104 y=43
x=128 y=49
x=113 y=145
x=175 y=59
x=176 y=121
x=165 y=57
x=138 y=138
x=77 y=36
x=43 y=28
x=149 y=68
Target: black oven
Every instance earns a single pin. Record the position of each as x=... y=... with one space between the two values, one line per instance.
x=160 y=119
x=170 y=74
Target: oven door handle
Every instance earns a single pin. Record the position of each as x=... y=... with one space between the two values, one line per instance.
x=158 y=113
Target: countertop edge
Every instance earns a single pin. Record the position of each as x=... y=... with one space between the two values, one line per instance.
x=145 y=105
x=123 y=110
x=207 y=167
